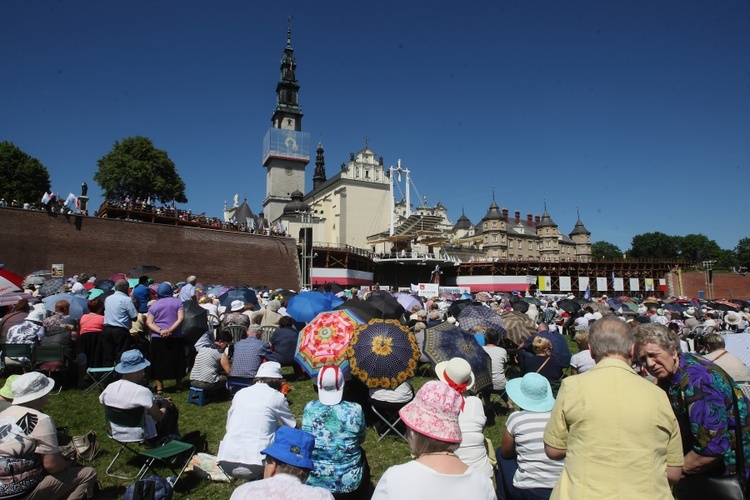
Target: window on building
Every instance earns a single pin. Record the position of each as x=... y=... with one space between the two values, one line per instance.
x=494 y=238
x=494 y=224
x=485 y=239
x=546 y=231
x=548 y=244
x=510 y=243
x=503 y=254
x=531 y=245
x=494 y=253
x=485 y=225
x=502 y=238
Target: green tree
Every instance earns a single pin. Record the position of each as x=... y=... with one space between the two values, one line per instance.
x=653 y=246
x=24 y=178
x=136 y=169
x=605 y=250
x=696 y=248
x=742 y=251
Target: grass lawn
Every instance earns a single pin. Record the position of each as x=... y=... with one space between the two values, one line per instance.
x=84 y=413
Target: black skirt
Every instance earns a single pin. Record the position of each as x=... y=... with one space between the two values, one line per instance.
x=167 y=356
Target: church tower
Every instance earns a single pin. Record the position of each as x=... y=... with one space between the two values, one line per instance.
x=286 y=149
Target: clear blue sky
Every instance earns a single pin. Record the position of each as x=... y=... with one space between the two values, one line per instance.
x=636 y=112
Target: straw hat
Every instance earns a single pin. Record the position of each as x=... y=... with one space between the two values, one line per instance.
x=733 y=318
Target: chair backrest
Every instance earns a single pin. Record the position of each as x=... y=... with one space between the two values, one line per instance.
x=132 y=417
x=238 y=332
x=266 y=332
x=43 y=354
x=17 y=350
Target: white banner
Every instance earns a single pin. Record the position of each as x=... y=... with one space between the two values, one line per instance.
x=619 y=285
x=565 y=284
x=601 y=284
x=634 y=286
x=583 y=283
x=455 y=289
x=426 y=289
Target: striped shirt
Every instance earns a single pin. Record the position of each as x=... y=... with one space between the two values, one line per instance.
x=535 y=470
x=207 y=365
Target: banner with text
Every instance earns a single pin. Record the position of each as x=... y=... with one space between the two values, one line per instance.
x=426 y=289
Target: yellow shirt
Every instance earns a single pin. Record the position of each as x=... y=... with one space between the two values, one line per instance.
x=619 y=432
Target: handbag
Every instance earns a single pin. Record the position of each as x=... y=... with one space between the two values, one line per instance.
x=86 y=446
x=734 y=487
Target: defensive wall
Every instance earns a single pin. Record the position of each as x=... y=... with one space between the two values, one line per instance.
x=33 y=240
x=726 y=285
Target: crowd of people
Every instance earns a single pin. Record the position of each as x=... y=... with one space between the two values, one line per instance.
x=651 y=405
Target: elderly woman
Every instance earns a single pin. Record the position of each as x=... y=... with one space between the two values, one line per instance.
x=60 y=329
x=541 y=362
x=704 y=399
x=92 y=326
x=235 y=315
x=167 y=350
x=581 y=361
x=457 y=374
x=434 y=435
x=525 y=471
x=339 y=430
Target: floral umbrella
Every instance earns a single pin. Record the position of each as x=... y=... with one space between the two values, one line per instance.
x=325 y=339
x=442 y=345
x=383 y=353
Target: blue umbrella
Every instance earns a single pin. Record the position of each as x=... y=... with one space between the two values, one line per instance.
x=78 y=305
x=335 y=301
x=303 y=307
x=475 y=314
x=246 y=295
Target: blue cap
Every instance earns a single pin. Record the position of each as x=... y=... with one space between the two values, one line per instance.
x=292 y=446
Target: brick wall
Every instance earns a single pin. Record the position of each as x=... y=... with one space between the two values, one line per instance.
x=34 y=240
x=726 y=285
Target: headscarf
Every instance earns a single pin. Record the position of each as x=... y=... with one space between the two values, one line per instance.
x=164 y=290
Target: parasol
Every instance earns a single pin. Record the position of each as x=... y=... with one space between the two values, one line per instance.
x=457 y=306
x=304 y=307
x=143 y=269
x=117 y=276
x=383 y=353
x=568 y=306
x=324 y=341
x=52 y=286
x=195 y=323
x=476 y=314
x=518 y=326
x=9 y=282
x=105 y=285
x=361 y=308
x=408 y=302
x=386 y=304
x=444 y=344
x=246 y=295
x=78 y=305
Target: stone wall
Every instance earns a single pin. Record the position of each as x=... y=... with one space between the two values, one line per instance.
x=34 y=240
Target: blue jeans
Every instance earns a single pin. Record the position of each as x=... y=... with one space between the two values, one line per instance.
x=506 y=469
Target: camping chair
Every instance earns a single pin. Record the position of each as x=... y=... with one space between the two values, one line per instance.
x=390 y=419
x=238 y=332
x=99 y=377
x=169 y=454
x=48 y=354
x=18 y=351
x=266 y=332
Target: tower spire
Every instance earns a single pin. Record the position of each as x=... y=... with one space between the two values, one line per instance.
x=288 y=112
x=319 y=176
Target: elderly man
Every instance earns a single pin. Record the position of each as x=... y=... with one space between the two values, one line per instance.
x=716 y=352
x=616 y=431
x=187 y=292
x=119 y=313
x=266 y=407
x=268 y=316
x=32 y=466
x=249 y=353
x=288 y=463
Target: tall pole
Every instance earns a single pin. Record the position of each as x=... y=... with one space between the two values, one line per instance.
x=393 y=203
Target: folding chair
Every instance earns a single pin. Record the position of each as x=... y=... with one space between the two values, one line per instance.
x=238 y=332
x=266 y=332
x=25 y=351
x=170 y=454
x=48 y=354
x=99 y=377
x=390 y=421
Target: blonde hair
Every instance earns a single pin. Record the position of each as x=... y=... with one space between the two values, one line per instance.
x=540 y=344
x=582 y=339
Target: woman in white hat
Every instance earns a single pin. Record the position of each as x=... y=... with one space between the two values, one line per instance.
x=235 y=316
x=32 y=466
x=457 y=374
x=434 y=435
x=524 y=469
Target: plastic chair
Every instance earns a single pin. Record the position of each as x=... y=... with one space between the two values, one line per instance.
x=238 y=332
x=168 y=454
x=266 y=332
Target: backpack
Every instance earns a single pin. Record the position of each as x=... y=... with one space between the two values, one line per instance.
x=149 y=488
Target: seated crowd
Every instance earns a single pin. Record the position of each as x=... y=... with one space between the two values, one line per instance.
x=558 y=441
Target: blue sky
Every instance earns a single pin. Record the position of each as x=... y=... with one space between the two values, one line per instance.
x=637 y=113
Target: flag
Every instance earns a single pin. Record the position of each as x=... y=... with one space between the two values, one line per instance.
x=587 y=293
x=46 y=198
x=71 y=201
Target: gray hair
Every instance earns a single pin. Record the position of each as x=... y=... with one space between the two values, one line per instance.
x=419 y=444
x=655 y=333
x=122 y=286
x=610 y=336
x=192 y=279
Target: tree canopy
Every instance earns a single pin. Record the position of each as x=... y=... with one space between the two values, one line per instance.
x=653 y=246
x=697 y=248
x=136 y=169
x=24 y=178
x=742 y=250
x=605 y=250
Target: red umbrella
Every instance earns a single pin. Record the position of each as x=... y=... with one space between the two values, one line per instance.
x=118 y=276
x=324 y=341
x=9 y=282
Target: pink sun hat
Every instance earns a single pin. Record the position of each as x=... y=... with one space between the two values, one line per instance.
x=434 y=412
